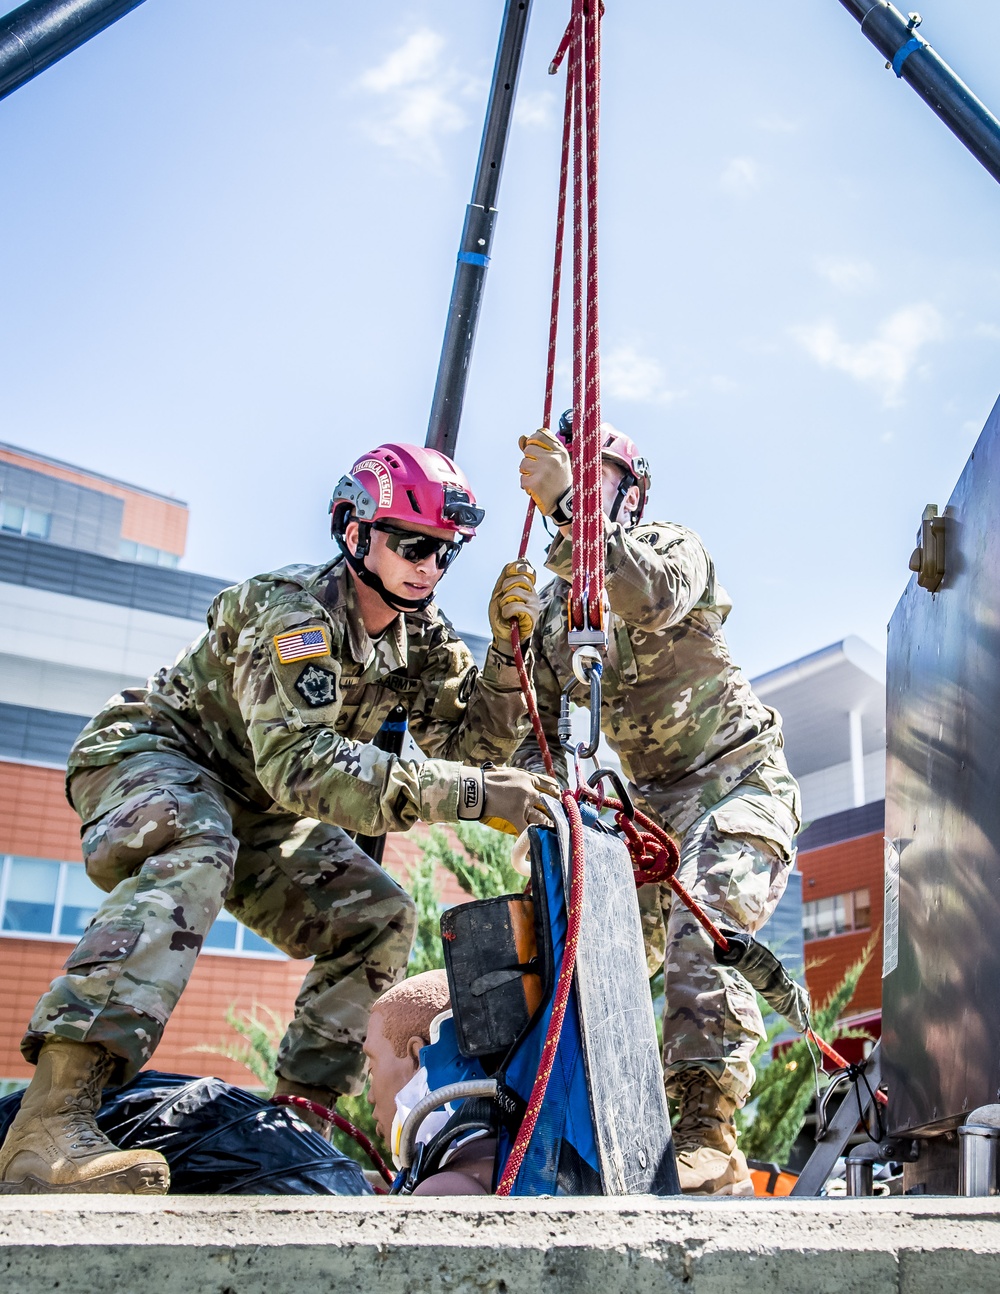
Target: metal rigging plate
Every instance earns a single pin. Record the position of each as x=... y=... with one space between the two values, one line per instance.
x=941 y=968
x=624 y=1071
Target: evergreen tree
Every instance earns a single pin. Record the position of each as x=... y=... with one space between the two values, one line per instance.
x=786 y=1085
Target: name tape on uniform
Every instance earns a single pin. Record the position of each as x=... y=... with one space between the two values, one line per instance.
x=301 y=644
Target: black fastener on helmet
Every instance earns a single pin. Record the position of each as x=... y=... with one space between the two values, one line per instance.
x=459 y=507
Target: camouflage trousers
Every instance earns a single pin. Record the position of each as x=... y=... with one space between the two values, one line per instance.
x=735 y=861
x=170 y=848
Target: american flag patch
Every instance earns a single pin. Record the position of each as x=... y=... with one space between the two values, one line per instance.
x=301 y=644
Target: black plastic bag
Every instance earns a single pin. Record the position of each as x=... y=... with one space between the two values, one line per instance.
x=218 y=1139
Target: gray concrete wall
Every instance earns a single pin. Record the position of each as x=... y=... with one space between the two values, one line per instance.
x=274 y=1245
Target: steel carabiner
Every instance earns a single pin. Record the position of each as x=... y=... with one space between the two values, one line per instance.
x=587 y=668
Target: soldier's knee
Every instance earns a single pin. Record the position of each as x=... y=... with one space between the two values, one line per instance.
x=158 y=822
x=398 y=909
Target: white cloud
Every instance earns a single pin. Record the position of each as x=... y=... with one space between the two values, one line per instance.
x=422 y=95
x=846 y=273
x=534 y=108
x=628 y=375
x=740 y=176
x=887 y=359
x=414 y=60
x=989 y=331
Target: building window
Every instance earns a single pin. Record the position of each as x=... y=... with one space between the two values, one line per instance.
x=44 y=899
x=17 y=520
x=30 y=896
x=130 y=551
x=837 y=915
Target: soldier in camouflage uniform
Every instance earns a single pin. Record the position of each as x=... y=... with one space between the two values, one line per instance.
x=232 y=779
x=703 y=757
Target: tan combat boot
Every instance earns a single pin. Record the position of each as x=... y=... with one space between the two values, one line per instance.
x=708 y=1162
x=54 y=1144
x=320 y=1095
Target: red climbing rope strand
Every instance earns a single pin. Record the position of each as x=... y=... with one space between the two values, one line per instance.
x=586 y=492
x=557 y=260
x=550 y=379
x=574 y=908
x=529 y=700
x=586 y=606
x=591 y=502
x=835 y=1058
x=344 y=1125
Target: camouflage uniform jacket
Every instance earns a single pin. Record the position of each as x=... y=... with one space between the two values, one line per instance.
x=680 y=715
x=296 y=736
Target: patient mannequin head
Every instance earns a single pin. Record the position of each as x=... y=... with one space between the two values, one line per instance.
x=400 y=1025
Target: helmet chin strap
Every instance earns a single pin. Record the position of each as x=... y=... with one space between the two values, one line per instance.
x=624 y=485
x=392 y=600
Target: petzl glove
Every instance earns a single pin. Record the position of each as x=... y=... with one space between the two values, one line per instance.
x=506 y=799
x=514 y=598
x=547 y=475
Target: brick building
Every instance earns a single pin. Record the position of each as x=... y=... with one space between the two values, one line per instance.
x=832 y=705
x=91 y=601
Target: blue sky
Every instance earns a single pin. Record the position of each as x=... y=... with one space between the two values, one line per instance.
x=230 y=228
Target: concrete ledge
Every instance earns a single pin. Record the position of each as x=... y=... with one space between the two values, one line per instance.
x=274 y=1244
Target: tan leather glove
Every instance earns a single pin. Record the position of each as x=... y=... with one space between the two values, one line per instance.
x=506 y=799
x=547 y=475
x=514 y=598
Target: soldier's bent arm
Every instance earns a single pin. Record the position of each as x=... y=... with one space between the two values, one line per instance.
x=655 y=575
x=461 y=714
x=309 y=768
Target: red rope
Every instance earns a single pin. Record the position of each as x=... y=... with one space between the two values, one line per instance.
x=574 y=909
x=557 y=261
x=344 y=1125
x=582 y=42
x=529 y=700
x=835 y=1058
x=586 y=606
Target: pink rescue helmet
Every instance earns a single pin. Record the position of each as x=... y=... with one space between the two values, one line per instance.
x=619 y=449
x=411 y=483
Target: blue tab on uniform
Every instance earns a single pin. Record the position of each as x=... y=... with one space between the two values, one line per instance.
x=904 y=52
x=474 y=258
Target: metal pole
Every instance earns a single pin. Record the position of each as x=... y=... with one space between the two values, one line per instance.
x=915 y=62
x=477 y=237
x=39 y=33
x=978 y=1146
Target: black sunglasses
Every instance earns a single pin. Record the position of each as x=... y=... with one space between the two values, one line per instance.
x=415 y=548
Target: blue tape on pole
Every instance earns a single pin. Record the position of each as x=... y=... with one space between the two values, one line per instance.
x=474 y=258
x=904 y=52
x=394 y=727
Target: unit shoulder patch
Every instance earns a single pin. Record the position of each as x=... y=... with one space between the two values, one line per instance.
x=317 y=687
x=301 y=644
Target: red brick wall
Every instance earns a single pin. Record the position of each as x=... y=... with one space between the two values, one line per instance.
x=35 y=816
x=836 y=869
x=37 y=821
x=29 y=965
